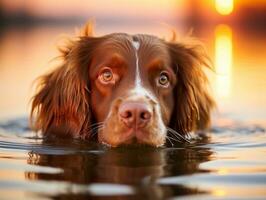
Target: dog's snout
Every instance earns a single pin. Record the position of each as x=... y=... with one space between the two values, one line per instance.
x=134 y=114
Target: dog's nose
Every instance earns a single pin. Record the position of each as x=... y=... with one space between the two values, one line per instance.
x=134 y=114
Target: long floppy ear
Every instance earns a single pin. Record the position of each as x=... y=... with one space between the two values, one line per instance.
x=193 y=102
x=61 y=104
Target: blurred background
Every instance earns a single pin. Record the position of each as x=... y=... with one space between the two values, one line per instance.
x=233 y=31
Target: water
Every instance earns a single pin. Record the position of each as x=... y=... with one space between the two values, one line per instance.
x=230 y=164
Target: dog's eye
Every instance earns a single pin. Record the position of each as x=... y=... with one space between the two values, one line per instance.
x=107 y=76
x=163 y=79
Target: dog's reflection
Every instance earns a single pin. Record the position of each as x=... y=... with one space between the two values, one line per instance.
x=139 y=167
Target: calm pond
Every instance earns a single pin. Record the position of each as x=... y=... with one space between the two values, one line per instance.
x=230 y=164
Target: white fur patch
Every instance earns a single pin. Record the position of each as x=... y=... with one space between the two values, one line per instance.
x=139 y=90
x=136 y=45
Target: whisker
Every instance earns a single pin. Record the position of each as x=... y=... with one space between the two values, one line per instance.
x=177 y=134
x=96 y=128
x=96 y=124
x=94 y=133
x=167 y=137
x=88 y=129
x=175 y=137
x=189 y=136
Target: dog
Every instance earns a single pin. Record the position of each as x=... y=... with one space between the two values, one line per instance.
x=126 y=89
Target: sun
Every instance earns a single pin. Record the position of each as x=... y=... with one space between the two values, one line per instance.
x=224 y=7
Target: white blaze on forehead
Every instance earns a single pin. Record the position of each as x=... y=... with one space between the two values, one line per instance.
x=136 y=45
x=139 y=89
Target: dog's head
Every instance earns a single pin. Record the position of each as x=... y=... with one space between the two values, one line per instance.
x=133 y=88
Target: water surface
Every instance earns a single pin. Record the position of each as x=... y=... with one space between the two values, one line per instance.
x=231 y=164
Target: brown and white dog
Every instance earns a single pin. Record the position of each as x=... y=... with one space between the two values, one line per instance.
x=132 y=88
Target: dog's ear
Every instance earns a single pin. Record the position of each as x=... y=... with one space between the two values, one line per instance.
x=193 y=102
x=61 y=104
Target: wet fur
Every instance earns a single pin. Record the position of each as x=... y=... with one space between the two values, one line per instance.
x=61 y=105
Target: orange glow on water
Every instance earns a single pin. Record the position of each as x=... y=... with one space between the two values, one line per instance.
x=224 y=7
x=222 y=171
x=219 y=192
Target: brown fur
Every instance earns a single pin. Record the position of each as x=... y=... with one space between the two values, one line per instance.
x=193 y=101
x=61 y=105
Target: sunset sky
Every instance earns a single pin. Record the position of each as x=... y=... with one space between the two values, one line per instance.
x=137 y=8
